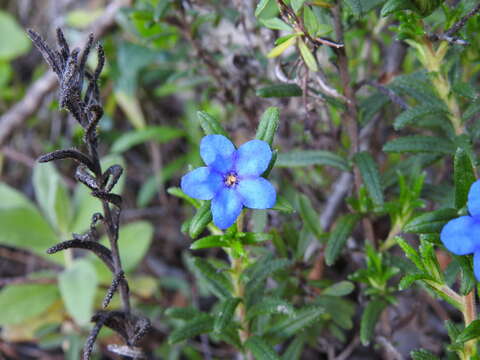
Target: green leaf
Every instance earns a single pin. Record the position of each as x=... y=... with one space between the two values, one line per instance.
x=134 y=241
x=25 y=228
x=295 y=348
x=297 y=158
x=182 y=313
x=422 y=355
x=392 y=6
x=251 y=238
x=78 y=285
x=311 y=21
x=210 y=125
x=371 y=177
x=370 y=316
x=22 y=302
x=409 y=116
x=426 y=7
x=361 y=7
x=296 y=4
x=276 y=24
x=338 y=237
x=283 y=205
x=159 y=134
x=52 y=197
x=409 y=279
x=307 y=56
x=472 y=331
x=270 y=305
x=257 y=273
x=225 y=314
x=209 y=242
x=217 y=282
x=309 y=215
x=464 y=177
x=279 y=91
x=420 y=143
x=200 y=220
x=260 y=349
x=176 y=191
x=302 y=319
x=268 y=125
x=341 y=288
x=279 y=49
x=263 y=6
x=200 y=324
x=14 y=42
x=431 y=222
x=411 y=253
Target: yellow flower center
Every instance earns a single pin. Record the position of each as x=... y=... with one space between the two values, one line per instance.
x=231 y=179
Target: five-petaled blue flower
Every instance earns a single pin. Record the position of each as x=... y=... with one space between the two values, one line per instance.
x=461 y=236
x=232 y=178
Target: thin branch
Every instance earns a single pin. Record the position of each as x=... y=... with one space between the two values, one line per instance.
x=35 y=95
x=461 y=23
x=392 y=95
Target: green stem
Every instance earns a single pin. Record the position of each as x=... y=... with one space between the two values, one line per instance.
x=238 y=264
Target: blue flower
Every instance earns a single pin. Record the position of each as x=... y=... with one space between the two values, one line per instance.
x=231 y=178
x=461 y=236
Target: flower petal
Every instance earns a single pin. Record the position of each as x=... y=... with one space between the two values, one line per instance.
x=460 y=235
x=252 y=158
x=217 y=150
x=257 y=193
x=474 y=199
x=226 y=207
x=201 y=183
x=476 y=264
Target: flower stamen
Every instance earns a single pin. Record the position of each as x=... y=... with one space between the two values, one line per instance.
x=231 y=179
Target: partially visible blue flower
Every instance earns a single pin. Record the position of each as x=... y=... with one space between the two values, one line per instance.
x=461 y=236
x=231 y=178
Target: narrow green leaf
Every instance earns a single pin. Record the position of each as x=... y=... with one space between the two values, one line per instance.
x=370 y=316
x=409 y=279
x=296 y=4
x=279 y=91
x=182 y=313
x=268 y=125
x=297 y=158
x=276 y=24
x=464 y=177
x=422 y=355
x=159 y=134
x=78 y=285
x=431 y=222
x=270 y=305
x=260 y=349
x=411 y=253
x=200 y=220
x=392 y=6
x=217 y=281
x=279 y=49
x=420 y=143
x=209 y=242
x=309 y=215
x=338 y=237
x=200 y=324
x=341 y=288
x=177 y=192
x=413 y=114
x=371 y=177
x=307 y=56
x=303 y=318
x=210 y=125
x=472 y=331
x=311 y=21
x=251 y=238
x=283 y=205
x=295 y=348
x=261 y=6
x=225 y=314
x=16 y=43
x=257 y=273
